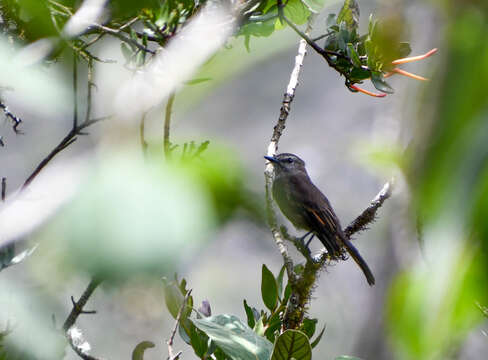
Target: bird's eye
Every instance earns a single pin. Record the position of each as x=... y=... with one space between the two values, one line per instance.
x=289 y=160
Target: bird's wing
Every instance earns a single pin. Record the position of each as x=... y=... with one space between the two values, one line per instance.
x=319 y=214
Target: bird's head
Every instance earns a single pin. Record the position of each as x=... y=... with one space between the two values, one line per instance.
x=286 y=162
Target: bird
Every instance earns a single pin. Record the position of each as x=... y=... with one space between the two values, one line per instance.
x=308 y=209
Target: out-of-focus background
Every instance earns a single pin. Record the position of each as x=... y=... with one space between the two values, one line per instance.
x=429 y=279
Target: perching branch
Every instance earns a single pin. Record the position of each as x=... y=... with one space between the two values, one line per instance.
x=269 y=172
x=369 y=214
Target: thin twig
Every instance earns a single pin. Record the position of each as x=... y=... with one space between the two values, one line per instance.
x=78 y=306
x=65 y=142
x=369 y=214
x=144 y=144
x=75 y=91
x=121 y=36
x=4 y=188
x=167 y=126
x=15 y=119
x=172 y=355
x=326 y=54
x=90 y=85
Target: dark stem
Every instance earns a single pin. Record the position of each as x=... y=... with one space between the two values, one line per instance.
x=172 y=355
x=78 y=306
x=4 y=188
x=167 y=126
x=67 y=140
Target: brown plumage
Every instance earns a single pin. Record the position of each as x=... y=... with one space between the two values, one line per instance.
x=307 y=208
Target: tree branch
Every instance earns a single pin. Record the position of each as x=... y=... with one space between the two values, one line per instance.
x=278 y=235
x=77 y=129
x=78 y=306
x=65 y=142
x=369 y=214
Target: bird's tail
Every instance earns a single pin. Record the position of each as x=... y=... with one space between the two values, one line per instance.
x=359 y=260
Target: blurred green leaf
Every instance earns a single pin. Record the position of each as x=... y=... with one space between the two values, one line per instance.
x=380 y=83
x=308 y=327
x=9 y=258
x=138 y=353
x=250 y=315
x=314 y=5
x=292 y=344
x=197 y=81
x=259 y=327
x=279 y=281
x=269 y=288
x=173 y=297
x=146 y=216
x=349 y=13
x=432 y=309
x=273 y=326
x=353 y=55
x=318 y=338
x=235 y=338
x=296 y=11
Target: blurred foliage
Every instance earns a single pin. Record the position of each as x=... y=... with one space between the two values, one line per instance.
x=368 y=56
x=133 y=216
x=432 y=308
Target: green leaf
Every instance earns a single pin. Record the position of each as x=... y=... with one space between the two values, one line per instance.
x=235 y=338
x=349 y=14
x=250 y=315
x=197 y=81
x=351 y=52
x=173 y=297
x=404 y=49
x=273 y=324
x=287 y=293
x=314 y=5
x=318 y=338
x=331 y=20
x=296 y=11
x=126 y=51
x=308 y=327
x=292 y=344
x=259 y=327
x=269 y=289
x=138 y=353
x=380 y=83
x=279 y=281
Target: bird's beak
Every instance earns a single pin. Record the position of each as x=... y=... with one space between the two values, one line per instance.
x=272 y=159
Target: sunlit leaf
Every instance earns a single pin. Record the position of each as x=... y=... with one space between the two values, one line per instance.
x=292 y=344
x=269 y=288
x=235 y=338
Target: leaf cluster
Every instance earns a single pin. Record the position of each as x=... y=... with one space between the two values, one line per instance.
x=360 y=57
